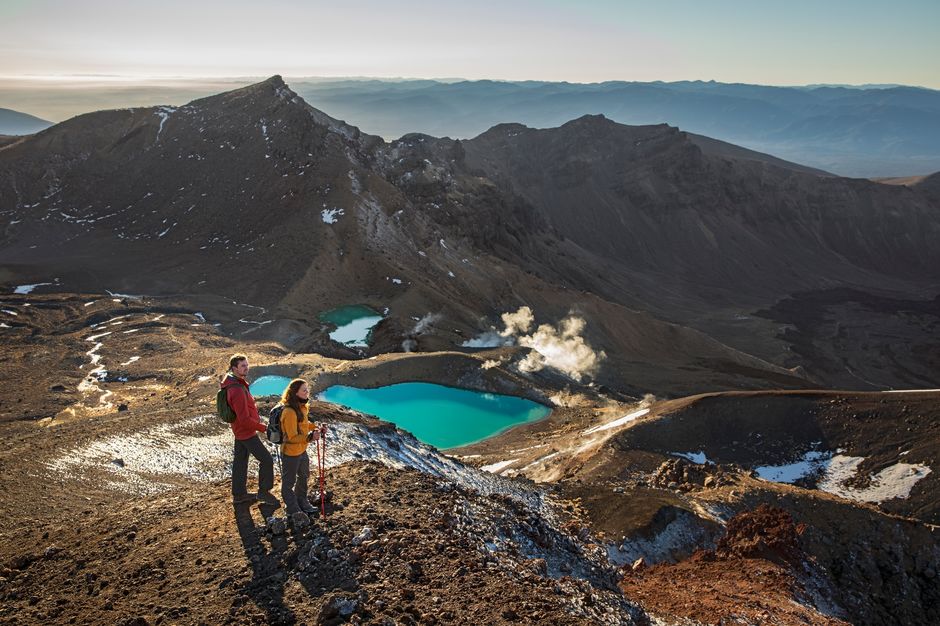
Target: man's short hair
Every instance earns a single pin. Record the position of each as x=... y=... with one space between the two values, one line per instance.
x=236 y=358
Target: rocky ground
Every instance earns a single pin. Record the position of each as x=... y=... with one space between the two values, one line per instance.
x=397 y=546
x=117 y=485
x=751 y=577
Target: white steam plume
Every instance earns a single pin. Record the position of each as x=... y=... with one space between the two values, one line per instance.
x=489 y=339
x=562 y=347
x=518 y=322
x=424 y=322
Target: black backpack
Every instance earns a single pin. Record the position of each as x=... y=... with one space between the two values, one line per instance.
x=274 y=432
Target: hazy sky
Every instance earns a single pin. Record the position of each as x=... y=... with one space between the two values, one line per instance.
x=753 y=41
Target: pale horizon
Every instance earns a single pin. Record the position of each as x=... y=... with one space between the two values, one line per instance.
x=804 y=43
x=56 y=98
x=61 y=59
x=164 y=78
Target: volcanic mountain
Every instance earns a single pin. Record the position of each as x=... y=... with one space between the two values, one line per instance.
x=681 y=253
x=145 y=246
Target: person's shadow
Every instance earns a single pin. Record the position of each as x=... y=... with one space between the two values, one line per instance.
x=266 y=587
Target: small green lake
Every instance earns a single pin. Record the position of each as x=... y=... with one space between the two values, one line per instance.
x=444 y=417
x=354 y=324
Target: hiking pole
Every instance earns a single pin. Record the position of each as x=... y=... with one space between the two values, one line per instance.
x=321 y=458
x=321 y=468
x=277 y=455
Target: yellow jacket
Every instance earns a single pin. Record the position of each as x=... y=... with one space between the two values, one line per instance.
x=295 y=435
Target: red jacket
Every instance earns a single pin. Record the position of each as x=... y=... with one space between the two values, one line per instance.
x=247 y=422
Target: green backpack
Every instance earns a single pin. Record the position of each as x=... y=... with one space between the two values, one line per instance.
x=222 y=409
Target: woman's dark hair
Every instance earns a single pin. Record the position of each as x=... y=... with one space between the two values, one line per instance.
x=289 y=397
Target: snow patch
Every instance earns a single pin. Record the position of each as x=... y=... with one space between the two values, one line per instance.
x=89 y=384
x=123 y=295
x=496 y=468
x=618 y=422
x=355 y=334
x=812 y=462
x=894 y=481
x=331 y=216
x=25 y=289
x=199 y=449
x=163 y=113
x=836 y=471
x=540 y=460
x=696 y=457
x=684 y=534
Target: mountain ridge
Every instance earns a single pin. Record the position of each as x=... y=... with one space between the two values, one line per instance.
x=18 y=123
x=628 y=223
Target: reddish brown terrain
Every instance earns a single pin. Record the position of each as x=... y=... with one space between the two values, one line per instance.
x=751 y=577
x=123 y=513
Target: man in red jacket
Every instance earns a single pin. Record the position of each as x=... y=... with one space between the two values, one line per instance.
x=246 y=427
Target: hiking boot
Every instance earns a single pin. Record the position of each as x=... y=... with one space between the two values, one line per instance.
x=244 y=498
x=266 y=497
x=305 y=506
x=300 y=519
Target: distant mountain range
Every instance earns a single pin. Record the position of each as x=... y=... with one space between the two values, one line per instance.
x=696 y=264
x=16 y=123
x=863 y=131
x=860 y=132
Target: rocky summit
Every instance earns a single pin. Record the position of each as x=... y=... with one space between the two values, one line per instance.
x=739 y=354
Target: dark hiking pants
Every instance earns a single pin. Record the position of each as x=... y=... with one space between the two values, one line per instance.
x=294 y=476
x=256 y=448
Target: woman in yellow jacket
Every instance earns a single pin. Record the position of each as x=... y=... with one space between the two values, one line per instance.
x=297 y=431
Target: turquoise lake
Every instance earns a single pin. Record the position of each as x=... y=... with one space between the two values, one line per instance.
x=354 y=324
x=444 y=417
x=269 y=386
